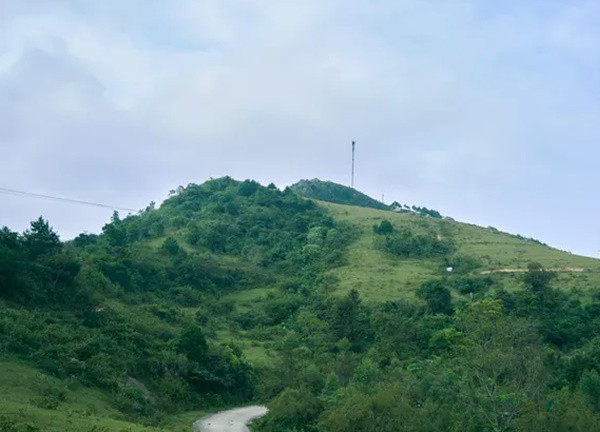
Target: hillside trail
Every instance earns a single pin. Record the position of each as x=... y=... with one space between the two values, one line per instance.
x=234 y=420
x=517 y=270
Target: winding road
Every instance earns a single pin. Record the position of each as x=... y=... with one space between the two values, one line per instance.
x=234 y=420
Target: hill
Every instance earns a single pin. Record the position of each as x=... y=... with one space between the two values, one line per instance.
x=382 y=277
x=335 y=193
x=337 y=316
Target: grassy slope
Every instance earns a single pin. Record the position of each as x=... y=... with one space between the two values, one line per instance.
x=380 y=277
x=29 y=396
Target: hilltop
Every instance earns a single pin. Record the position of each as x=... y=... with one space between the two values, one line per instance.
x=335 y=193
x=231 y=292
x=331 y=192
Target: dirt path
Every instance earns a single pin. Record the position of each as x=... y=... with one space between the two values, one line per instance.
x=235 y=420
x=514 y=270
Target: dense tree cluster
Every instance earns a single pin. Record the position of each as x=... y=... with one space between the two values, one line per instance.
x=525 y=360
x=34 y=268
x=104 y=308
x=403 y=242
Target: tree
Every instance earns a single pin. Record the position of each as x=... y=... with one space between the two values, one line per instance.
x=115 y=231
x=11 y=261
x=9 y=238
x=193 y=344
x=501 y=365
x=292 y=410
x=590 y=385
x=171 y=245
x=247 y=188
x=537 y=280
x=40 y=239
x=437 y=297
x=384 y=227
x=347 y=320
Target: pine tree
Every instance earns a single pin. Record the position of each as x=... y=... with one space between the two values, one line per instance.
x=40 y=239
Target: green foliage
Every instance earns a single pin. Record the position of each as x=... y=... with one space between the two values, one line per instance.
x=293 y=410
x=423 y=211
x=403 y=242
x=171 y=246
x=437 y=296
x=105 y=309
x=463 y=264
x=590 y=386
x=476 y=285
x=537 y=279
x=193 y=344
x=335 y=193
x=502 y=364
x=348 y=320
x=115 y=232
x=560 y=411
x=230 y=292
x=40 y=239
x=384 y=227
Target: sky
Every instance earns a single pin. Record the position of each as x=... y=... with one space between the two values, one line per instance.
x=486 y=111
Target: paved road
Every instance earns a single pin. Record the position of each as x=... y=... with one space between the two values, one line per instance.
x=235 y=420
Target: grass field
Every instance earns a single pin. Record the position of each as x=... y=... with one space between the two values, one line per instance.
x=380 y=277
x=36 y=401
x=33 y=401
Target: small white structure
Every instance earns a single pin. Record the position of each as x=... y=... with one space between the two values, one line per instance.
x=449 y=269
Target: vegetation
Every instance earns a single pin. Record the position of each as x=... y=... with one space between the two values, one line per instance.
x=139 y=322
x=335 y=193
x=423 y=211
x=506 y=362
x=339 y=318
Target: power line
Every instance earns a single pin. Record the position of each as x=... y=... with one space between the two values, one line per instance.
x=15 y=192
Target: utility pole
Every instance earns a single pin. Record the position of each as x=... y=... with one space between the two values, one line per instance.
x=353 y=147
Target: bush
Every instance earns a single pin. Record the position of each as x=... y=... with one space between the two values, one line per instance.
x=437 y=296
x=384 y=227
x=407 y=244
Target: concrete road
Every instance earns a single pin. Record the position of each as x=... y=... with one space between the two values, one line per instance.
x=235 y=420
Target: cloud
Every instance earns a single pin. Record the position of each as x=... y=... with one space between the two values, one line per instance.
x=485 y=111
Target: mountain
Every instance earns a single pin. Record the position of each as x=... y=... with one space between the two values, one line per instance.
x=339 y=317
x=335 y=193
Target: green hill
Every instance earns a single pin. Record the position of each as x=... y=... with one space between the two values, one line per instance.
x=382 y=277
x=335 y=315
x=335 y=193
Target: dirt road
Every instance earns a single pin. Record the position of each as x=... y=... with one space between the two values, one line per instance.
x=235 y=420
x=515 y=270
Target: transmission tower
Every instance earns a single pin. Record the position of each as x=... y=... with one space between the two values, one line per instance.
x=353 y=151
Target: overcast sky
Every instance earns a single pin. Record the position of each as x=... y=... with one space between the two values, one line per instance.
x=486 y=111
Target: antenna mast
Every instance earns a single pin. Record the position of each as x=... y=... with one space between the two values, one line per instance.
x=353 y=146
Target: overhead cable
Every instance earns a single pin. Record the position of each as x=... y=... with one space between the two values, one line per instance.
x=15 y=192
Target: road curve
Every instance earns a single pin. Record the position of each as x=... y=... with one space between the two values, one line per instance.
x=235 y=420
